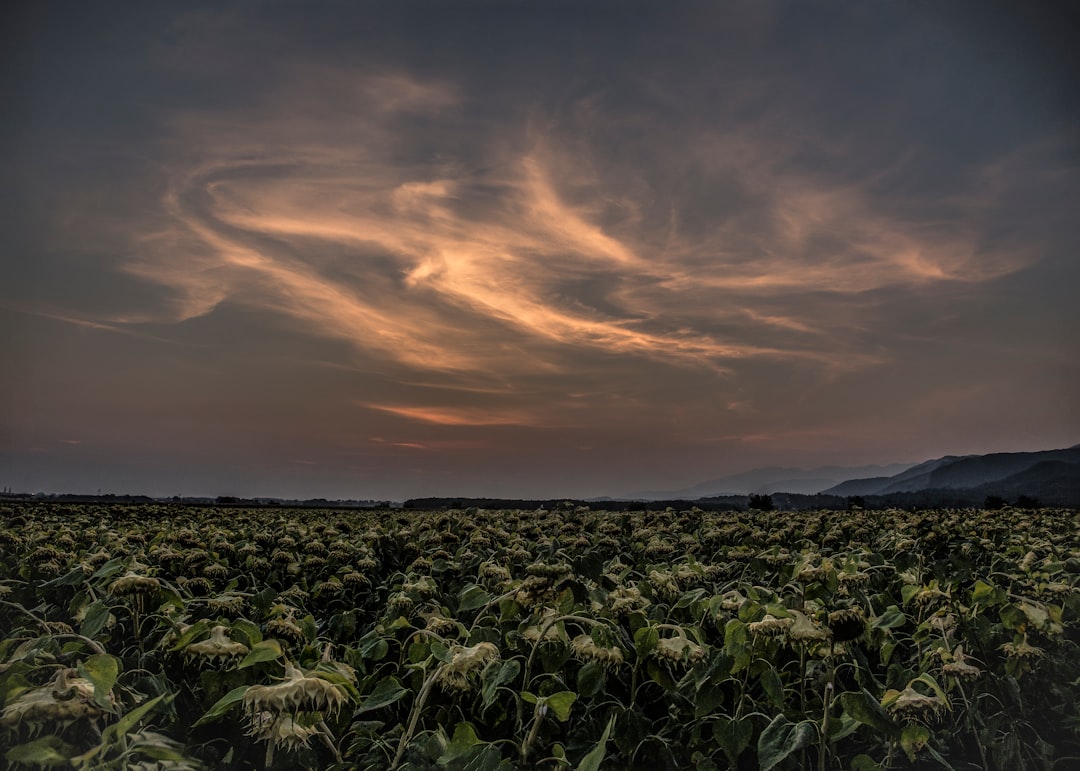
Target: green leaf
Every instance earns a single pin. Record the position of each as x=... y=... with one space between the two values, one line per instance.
x=929 y=680
x=592 y=761
x=110 y=568
x=464 y=739
x=73 y=577
x=733 y=736
x=868 y=711
x=736 y=636
x=707 y=698
x=386 y=692
x=1013 y=617
x=495 y=676
x=267 y=650
x=1036 y=616
x=913 y=738
x=781 y=738
x=440 y=651
x=101 y=669
x=250 y=631
x=159 y=747
x=661 y=676
x=590 y=679
x=560 y=704
x=222 y=705
x=372 y=646
x=488 y=758
x=891 y=618
x=472 y=597
x=864 y=763
x=122 y=726
x=193 y=632
x=94 y=619
x=48 y=751
x=689 y=598
x=987 y=594
x=773 y=687
x=645 y=641
x=842 y=728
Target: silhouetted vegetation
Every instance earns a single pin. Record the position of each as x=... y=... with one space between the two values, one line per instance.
x=760 y=502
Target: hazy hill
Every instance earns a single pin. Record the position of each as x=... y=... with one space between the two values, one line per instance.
x=770 y=480
x=1007 y=474
x=1053 y=482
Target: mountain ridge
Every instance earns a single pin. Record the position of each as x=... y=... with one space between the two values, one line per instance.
x=967 y=472
x=769 y=479
x=1051 y=475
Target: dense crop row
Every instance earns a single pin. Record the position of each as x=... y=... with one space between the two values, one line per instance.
x=166 y=637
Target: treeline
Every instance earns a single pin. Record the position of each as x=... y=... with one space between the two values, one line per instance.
x=922 y=499
x=562 y=504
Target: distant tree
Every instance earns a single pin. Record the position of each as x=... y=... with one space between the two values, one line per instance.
x=855 y=502
x=760 y=502
x=1027 y=502
x=994 y=502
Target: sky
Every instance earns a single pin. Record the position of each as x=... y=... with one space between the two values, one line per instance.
x=554 y=249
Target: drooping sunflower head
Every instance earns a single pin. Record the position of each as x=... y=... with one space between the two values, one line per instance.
x=585 y=649
x=219 y=646
x=466 y=662
x=298 y=691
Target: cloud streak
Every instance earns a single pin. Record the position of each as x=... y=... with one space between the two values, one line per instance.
x=507 y=261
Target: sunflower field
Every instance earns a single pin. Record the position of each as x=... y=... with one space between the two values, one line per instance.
x=174 y=637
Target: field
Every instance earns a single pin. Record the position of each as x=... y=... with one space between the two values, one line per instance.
x=142 y=637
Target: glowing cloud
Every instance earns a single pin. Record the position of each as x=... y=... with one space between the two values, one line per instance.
x=493 y=271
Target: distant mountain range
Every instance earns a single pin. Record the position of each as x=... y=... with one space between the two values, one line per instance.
x=1051 y=476
x=773 y=479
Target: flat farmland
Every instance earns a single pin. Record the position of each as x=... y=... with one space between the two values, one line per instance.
x=172 y=637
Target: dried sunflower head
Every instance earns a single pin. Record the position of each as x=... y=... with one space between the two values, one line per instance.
x=732 y=600
x=959 y=667
x=197 y=586
x=810 y=572
x=847 y=624
x=770 y=626
x=440 y=624
x=281 y=730
x=215 y=571
x=229 y=603
x=806 y=631
x=663 y=584
x=1022 y=650
x=134 y=584
x=680 y=649
x=285 y=626
x=586 y=649
x=625 y=599
x=61 y=702
x=854 y=579
x=298 y=691
x=219 y=646
x=459 y=673
x=911 y=706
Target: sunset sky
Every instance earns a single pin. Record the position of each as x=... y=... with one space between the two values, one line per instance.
x=389 y=250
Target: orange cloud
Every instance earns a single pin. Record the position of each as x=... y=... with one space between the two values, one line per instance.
x=457 y=416
x=495 y=272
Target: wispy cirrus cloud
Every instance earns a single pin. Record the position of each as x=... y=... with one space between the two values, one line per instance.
x=515 y=253
x=459 y=416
